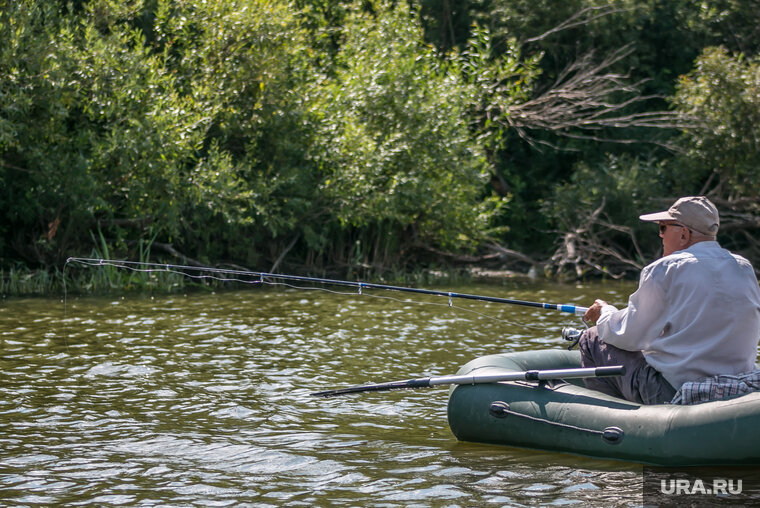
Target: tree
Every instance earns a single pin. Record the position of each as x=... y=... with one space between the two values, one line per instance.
x=46 y=185
x=394 y=144
x=721 y=156
x=151 y=120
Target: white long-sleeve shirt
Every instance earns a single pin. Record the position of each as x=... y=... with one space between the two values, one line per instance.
x=695 y=314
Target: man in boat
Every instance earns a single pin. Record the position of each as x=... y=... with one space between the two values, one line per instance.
x=695 y=314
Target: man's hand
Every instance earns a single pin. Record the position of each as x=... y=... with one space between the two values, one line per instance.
x=593 y=312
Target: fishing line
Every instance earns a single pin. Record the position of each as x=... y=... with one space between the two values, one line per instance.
x=65 y=308
x=399 y=300
x=247 y=277
x=573 y=309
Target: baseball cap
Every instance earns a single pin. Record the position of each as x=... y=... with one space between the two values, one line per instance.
x=694 y=212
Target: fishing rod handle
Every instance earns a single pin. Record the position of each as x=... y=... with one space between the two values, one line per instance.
x=572 y=309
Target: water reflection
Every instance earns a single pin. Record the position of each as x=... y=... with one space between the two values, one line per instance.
x=203 y=400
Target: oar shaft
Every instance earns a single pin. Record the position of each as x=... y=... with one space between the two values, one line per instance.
x=528 y=375
x=470 y=379
x=572 y=309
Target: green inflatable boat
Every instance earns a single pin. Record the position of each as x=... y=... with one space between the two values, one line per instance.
x=567 y=417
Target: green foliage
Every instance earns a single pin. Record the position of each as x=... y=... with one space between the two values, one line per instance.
x=208 y=126
x=734 y=24
x=720 y=157
x=723 y=94
x=623 y=186
x=46 y=190
x=183 y=118
x=348 y=133
x=394 y=144
x=496 y=82
x=169 y=114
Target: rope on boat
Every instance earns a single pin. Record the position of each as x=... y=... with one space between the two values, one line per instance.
x=610 y=435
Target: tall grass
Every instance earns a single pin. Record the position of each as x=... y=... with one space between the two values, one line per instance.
x=81 y=279
x=76 y=278
x=88 y=280
x=22 y=281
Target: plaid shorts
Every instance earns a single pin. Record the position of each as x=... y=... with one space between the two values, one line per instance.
x=717 y=388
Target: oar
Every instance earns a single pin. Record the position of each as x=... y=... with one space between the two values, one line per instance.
x=134 y=265
x=469 y=379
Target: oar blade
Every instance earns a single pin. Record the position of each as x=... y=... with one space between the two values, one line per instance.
x=378 y=387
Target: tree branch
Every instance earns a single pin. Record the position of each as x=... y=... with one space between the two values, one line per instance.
x=284 y=253
x=583 y=247
x=167 y=247
x=586 y=98
x=580 y=18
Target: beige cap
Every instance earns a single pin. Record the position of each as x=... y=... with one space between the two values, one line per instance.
x=694 y=212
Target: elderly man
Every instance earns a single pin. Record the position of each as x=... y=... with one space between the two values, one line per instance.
x=695 y=314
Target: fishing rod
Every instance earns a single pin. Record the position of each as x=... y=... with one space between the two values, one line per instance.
x=156 y=267
x=469 y=379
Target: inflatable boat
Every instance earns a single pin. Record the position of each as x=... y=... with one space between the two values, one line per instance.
x=564 y=416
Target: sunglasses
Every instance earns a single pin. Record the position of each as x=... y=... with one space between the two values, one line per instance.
x=663 y=227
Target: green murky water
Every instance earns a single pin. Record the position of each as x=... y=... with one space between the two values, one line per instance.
x=203 y=400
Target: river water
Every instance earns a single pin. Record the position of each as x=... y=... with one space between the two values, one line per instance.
x=203 y=400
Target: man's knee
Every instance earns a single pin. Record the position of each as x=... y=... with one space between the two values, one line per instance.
x=588 y=345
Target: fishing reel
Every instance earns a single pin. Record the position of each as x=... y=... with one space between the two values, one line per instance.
x=571 y=334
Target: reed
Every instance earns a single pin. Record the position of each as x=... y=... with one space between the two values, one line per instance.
x=16 y=282
x=75 y=278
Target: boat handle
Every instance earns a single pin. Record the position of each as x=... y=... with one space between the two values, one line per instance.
x=610 y=435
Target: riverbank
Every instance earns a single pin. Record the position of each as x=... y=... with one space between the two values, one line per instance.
x=16 y=282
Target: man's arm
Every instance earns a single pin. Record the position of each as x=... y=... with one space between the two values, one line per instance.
x=636 y=326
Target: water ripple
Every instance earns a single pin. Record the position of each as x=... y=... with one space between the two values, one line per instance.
x=204 y=400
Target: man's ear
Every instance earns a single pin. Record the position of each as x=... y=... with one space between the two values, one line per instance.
x=685 y=236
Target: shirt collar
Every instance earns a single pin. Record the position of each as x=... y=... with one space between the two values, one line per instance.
x=698 y=247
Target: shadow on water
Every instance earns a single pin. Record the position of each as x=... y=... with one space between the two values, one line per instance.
x=203 y=400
